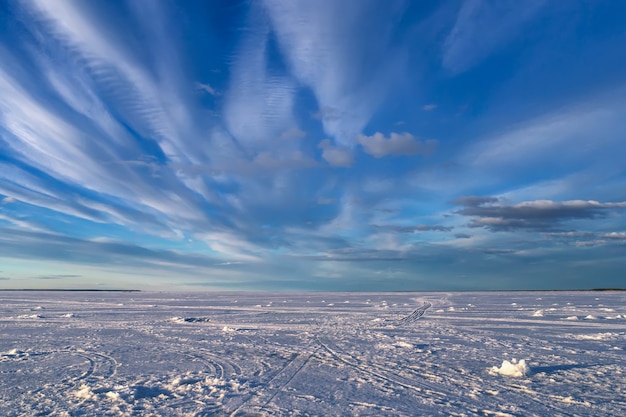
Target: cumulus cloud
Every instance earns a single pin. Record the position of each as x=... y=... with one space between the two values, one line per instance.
x=396 y=144
x=490 y=213
x=334 y=155
x=615 y=235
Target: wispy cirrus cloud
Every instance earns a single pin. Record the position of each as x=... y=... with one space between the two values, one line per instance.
x=482 y=27
x=567 y=134
x=258 y=104
x=229 y=143
x=325 y=44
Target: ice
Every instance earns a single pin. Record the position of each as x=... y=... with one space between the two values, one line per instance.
x=205 y=354
x=512 y=368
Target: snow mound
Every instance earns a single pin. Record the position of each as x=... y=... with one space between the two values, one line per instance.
x=513 y=368
x=538 y=313
x=16 y=353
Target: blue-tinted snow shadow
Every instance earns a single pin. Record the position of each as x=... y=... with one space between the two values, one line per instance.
x=142 y=391
x=551 y=369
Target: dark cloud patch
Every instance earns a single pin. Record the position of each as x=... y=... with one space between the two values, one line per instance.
x=489 y=213
x=4 y=278
x=462 y=236
x=415 y=229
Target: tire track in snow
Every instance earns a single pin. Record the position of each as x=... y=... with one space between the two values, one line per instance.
x=101 y=366
x=378 y=372
x=215 y=367
x=277 y=383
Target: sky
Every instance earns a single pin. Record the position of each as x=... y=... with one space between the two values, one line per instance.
x=326 y=145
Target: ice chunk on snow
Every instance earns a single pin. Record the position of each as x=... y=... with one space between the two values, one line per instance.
x=84 y=392
x=538 y=313
x=14 y=353
x=513 y=368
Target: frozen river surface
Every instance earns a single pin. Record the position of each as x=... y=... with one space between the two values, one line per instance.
x=265 y=354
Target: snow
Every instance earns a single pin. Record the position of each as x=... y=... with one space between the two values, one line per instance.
x=264 y=354
x=513 y=368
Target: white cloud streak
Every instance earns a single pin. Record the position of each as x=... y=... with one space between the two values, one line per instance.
x=259 y=105
x=326 y=44
x=482 y=27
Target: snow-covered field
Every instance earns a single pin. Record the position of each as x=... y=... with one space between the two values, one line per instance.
x=205 y=354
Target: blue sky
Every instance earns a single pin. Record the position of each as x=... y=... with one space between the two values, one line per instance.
x=326 y=145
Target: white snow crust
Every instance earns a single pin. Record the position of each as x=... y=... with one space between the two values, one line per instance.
x=513 y=368
x=331 y=354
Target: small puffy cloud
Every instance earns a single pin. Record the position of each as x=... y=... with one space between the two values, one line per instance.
x=462 y=236
x=488 y=212
x=615 y=235
x=396 y=144
x=293 y=134
x=335 y=156
x=7 y=200
x=429 y=107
